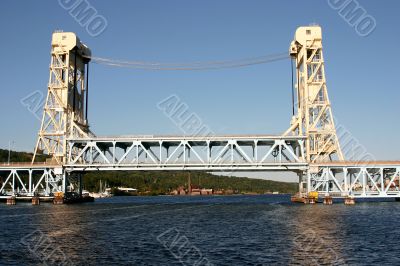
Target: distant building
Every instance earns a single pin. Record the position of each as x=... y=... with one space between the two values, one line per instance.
x=129 y=190
x=206 y=191
x=194 y=191
x=219 y=192
x=179 y=191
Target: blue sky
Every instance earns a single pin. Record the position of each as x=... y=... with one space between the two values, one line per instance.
x=362 y=72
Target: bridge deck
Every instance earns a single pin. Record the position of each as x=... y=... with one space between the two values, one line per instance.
x=366 y=179
x=194 y=137
x=356 y=163
x=29 y=165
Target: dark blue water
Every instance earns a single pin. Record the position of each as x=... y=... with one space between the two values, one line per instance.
x=233 y=230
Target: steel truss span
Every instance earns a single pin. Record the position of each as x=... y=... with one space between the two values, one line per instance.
x=31 y=180
x=358 y=179
x=222 y=153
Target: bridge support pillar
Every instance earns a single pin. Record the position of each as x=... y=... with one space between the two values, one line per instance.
x=328 y=200
x=304 y=187
x=11 y=200
x=35 y=201
x=349 y=201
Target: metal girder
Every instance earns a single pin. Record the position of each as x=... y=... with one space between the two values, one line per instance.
x=222 y=153
x=25 y=181
x=365 y=179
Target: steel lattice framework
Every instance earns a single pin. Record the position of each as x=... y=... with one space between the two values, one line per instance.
x=31 y=180
x=358 y=179
x=314 y=117
x=220 y=153
x=64 y=110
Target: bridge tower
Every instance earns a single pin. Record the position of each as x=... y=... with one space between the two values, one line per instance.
x=313 y=117
x=65 y=110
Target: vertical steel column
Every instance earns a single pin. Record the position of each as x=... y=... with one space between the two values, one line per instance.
x=13 y=182
x=30 y=183
x=46 y=180
x=75 y=74
x=308 y=181
x=64 y=182
x=346 y=187
x=364 y=182
x=381 y=172
x=87 y=91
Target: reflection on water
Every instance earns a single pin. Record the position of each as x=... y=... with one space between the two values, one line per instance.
x=317 y=238
x=235 y=230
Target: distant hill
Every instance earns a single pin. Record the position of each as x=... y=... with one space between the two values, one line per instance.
x=165 y=181
x=18 y=157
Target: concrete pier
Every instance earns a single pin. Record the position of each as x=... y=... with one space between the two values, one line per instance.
x=58 y=200
x=328 y=200
x=35 y=201
x=349 y=201
x=11 y=201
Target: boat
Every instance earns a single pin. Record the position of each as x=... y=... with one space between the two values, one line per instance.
x=103 y=193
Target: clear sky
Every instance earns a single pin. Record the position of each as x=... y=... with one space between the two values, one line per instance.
x=362 y=72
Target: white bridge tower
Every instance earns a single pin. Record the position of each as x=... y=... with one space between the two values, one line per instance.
x=313 y=117
x=65 y=110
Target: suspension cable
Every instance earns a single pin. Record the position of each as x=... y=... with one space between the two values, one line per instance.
x=191 y=65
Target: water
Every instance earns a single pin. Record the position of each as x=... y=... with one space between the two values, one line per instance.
x=232 y=230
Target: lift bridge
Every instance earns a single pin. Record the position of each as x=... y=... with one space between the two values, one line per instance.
x=310 y=147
